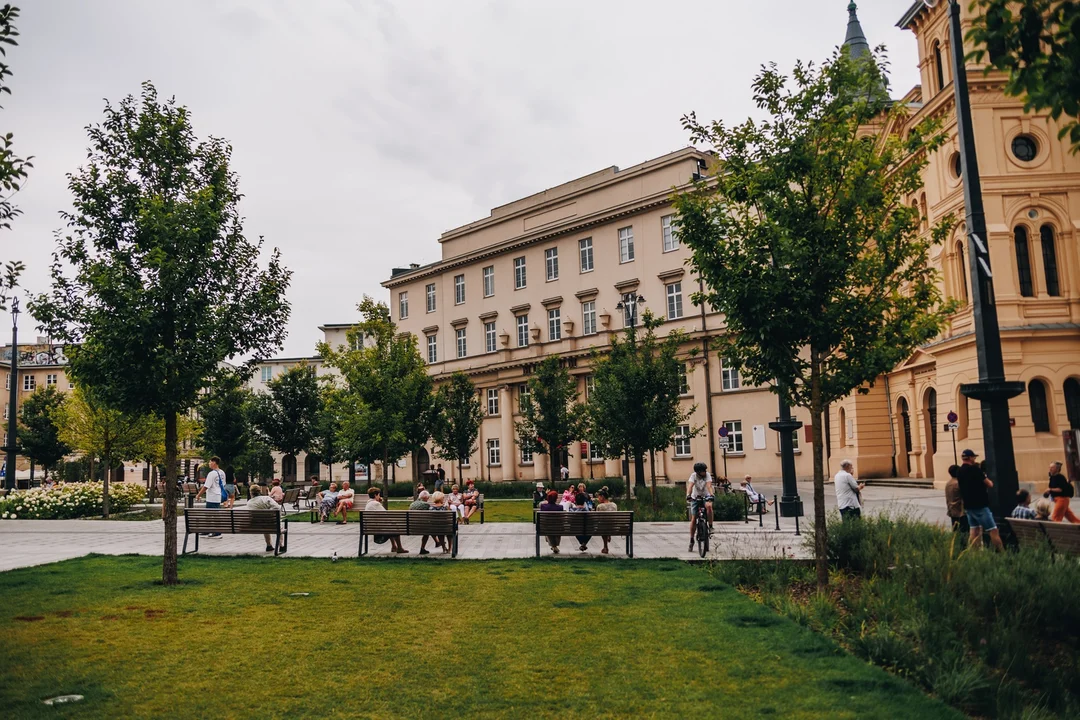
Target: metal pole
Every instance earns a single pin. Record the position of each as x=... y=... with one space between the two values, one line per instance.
x=791 y=504
x=954 y=459
x=993 y=390
x=776 y=515
x=724 y=451
x=13 y=397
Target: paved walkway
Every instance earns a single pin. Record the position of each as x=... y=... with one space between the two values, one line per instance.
x=35 y=542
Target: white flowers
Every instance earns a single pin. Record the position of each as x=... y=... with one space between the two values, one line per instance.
x=69 y=500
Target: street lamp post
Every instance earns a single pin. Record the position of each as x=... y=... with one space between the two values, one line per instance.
x=13 y=381
x=628 y=305
x=993 y=391
x=791 y=504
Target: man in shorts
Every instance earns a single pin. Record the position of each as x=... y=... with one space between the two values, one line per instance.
x=973 y=489
x=214 y=487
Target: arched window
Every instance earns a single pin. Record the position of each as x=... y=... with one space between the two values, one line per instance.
x=843 y=427
x=939 y=68
x=1049 y=254
x=1072 y=402
x=924 y=212
x=905 y=418
x=931 y=410
x=1023 y=261
x=1040 y=411
x=961 y=272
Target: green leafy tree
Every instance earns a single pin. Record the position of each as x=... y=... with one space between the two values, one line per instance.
x=13 y=169
x=551 y=416
x=326 y=430
x=634 y=405
x=457 y=423
x=154 y=285
x=1037 y=42
x=39 y=431
x=807 y=244
x=226 y=427
x=91 y=426
x=386 y=401
x=286 y=416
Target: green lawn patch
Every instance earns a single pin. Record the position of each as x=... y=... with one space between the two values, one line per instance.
x=418 y=639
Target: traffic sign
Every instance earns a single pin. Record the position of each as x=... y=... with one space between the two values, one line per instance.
x=952 y=417
x=723 y=431
x=953 y=426
x=724 y=443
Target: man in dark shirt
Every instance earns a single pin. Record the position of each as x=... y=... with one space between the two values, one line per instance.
x=973 y=489
x=1061 y=491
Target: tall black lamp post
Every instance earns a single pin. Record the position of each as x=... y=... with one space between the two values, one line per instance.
x=993 y=391
x=628 y=305
x=13 y=397
x=790 y=503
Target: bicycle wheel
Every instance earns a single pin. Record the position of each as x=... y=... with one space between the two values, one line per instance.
x=703 y=537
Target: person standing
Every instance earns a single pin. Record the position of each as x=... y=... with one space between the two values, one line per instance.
x=848 y=492
x=441 y=479
x=214 y=488
x=564 y=472
x=974 y=486
x=954 y=503
x=1061 y=492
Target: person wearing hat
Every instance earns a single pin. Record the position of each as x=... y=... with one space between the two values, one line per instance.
x=973 y=489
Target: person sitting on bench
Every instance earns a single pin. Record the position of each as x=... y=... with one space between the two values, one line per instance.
x=344 y=502
x=259 y=501
x=327 y=502
x=753 y=495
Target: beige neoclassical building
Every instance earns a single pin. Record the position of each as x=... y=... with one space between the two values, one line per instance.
x=544 y=274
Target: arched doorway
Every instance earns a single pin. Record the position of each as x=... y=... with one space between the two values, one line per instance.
x=311 y=466
x=423 y=460
x=1072 y=402
x=930 y=415
x=288 y=469
x=903 y=452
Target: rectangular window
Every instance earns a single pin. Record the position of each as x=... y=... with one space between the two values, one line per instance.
x=459 y=289
x=682 y=441
x=734 y=435
x=526 y=455
x=7 y=409
x=494 y=454
x=266 y=374
x=585 y=253
x=493 y=401
x=462 y=349
x=729 y=376
x=50 y=379
x=403 y=305
x=554 y=324
x=523 y=393
x=588 y=317
x=523 y=330
x=551 y=263
x=432 y=349
x=674 y=301
x=626 y=244
x=794 y=439
x=628 y=315
x=29 y=382
x=519 y=273
x=489 y=337
x=7 y=381
x=671 y=240
x=489 y=281
x=590 y=385
x=71 y=385
x=356 y=340
x=430 y=293
x=684 y=381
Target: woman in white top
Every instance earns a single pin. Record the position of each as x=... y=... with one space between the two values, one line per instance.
x=374 y=504
x=456 y=501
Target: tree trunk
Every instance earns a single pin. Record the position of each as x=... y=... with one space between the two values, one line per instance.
x=352 y=472
x=652 y=471
x=92 y=478
x=169 y=574
x=415 y=468
x=385 y=479
x=821 y=561
x=459 y=471
x=107 y=461
x=639 y=469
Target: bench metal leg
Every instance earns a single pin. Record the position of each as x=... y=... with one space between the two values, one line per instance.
x=453 y=553
x=196 y=542
x=184 y=551
x=277 y=544
x=537 y=542
x=481 y=514
x=630 y=543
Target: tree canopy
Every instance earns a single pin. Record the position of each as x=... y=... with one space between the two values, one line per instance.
x=459 y=413
x=1038 y=43
x=286 y=415
x=13 y=169
x=807 y=240
x=551 y=416
x=39 y=428
x=154 y=284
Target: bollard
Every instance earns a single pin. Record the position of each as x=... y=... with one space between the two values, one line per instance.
x=797 y=525
x=761 y=514
x=776 y=505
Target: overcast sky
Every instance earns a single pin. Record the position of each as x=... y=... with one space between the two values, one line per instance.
x=363 y=129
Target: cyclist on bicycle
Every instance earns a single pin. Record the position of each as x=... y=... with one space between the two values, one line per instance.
x=699 y=489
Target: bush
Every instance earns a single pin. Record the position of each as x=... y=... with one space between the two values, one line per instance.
x=68 y=500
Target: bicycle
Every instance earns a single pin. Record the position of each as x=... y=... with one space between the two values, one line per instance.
x=701 y=524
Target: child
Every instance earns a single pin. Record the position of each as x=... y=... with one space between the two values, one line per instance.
x=1023 y=510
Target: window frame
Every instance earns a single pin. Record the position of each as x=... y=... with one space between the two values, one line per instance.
x=266 y=374
x=430 y=297
x=29 y=383
x=492 y=397
x=671 y=241
x=494 y=451
x=674 y=300
x=403 y=305
x=1025 y=278
x=588 y=328
x=521 y=278
x=551 y=264
x=682 y=437
x=461 y=342
x=1051 y=273
x=626 y=244
x=554 y=324
x=491 y=337
x=488 y=275
x=730 y=379
x=459 y=289
x=736 y=436
x=51 y=379
x=522 y=323
x=432 y=348
x=585 y=250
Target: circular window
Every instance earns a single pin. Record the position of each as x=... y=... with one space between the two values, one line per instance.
x=1024 y=148
x=1033 y=214
x=954 y=162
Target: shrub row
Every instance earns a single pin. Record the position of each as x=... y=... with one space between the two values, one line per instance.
x=68 y=500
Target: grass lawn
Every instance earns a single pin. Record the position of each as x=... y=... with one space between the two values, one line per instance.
x=418 y=639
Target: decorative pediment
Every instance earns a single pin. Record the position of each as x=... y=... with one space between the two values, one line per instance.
x=919 y=357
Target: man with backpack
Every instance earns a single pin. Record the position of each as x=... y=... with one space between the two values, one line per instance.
x=214 y=487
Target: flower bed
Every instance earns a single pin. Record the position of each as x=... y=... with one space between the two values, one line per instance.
x=68 y=500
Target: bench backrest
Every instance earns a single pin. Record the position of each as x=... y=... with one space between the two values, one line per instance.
x=291 y=496
x=1063 y=537
x=232 y=521
x=191 y=487
x=584 y=523
x=407 y=522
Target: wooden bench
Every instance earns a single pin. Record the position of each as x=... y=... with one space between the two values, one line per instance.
x=1062 y=537
x=292 y=497
x=408 y=522
x=235 y=522
x=593 y=524
x=190 y=491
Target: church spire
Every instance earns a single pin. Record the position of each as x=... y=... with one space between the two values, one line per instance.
x=855 y=40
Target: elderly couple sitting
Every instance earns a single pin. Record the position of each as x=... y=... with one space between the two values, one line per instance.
x=336 y=502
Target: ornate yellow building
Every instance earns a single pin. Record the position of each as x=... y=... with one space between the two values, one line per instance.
x=1031 y=192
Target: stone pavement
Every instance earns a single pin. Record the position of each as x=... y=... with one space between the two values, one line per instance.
x=35 y=542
